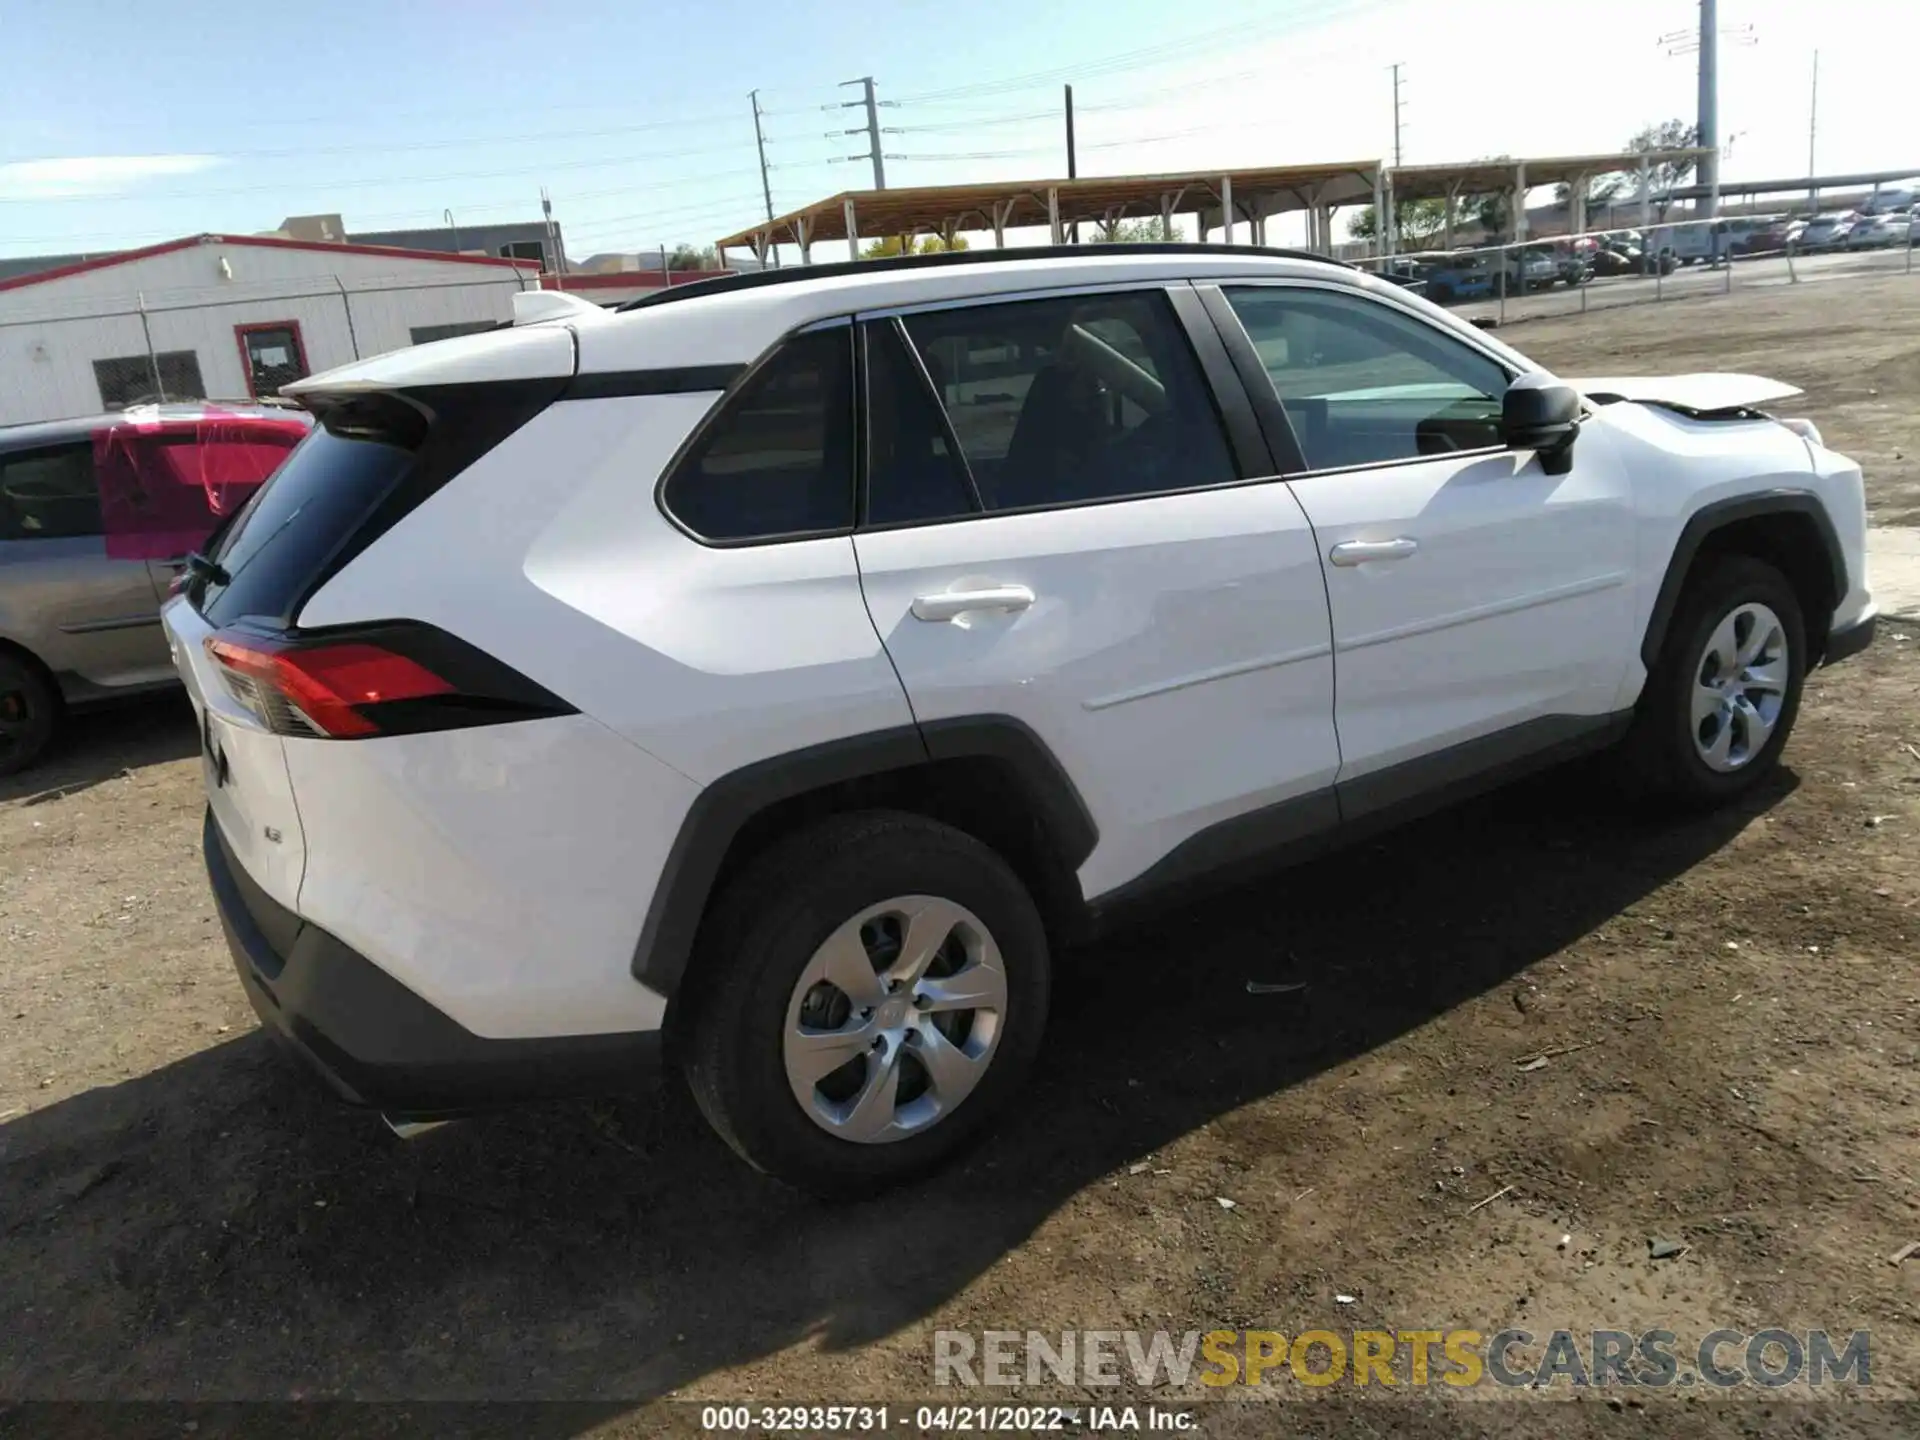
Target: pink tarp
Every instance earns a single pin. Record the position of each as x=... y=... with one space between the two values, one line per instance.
x=165 y=484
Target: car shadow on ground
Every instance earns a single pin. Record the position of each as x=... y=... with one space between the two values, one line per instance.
x=218 y=1228
x=99 y=745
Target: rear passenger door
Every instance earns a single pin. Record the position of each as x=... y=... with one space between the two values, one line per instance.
x=1060 y=524
x=62 y=594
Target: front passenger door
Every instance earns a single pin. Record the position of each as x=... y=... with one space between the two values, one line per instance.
x=1473 y=594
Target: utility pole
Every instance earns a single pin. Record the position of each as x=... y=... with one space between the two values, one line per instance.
x=1708 y=136
x=1073 y=163
x=1813 y=132
x=872 y=128
x=553 y=233
x=766 y=187
x=1397 y=67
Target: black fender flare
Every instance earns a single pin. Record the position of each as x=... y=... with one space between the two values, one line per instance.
x=725 y=806
x=1718 y=515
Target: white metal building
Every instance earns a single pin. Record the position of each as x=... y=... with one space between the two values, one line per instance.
x=229 y=317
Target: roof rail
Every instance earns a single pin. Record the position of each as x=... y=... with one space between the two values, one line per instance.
x=754 y=279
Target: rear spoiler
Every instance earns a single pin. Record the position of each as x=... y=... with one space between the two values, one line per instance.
x=535 y=307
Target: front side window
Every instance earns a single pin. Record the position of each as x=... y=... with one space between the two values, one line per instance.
x=1364 y=384
x=777 y=461
x=49 y=494
x=1073 y=400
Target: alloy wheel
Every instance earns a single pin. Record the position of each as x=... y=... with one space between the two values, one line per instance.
x=895 y=1019
x=1739 y=687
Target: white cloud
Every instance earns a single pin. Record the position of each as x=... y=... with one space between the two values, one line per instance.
x=93 y=174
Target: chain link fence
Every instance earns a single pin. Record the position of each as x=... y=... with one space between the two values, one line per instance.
x=1672 y=260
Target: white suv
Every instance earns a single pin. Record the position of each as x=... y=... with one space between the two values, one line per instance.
x=770 y=676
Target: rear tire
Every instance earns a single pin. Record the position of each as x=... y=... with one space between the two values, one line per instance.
x=29 y=713
x=918 y=1077
x=1722 y=697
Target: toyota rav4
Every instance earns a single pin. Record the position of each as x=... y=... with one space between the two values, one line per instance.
x=766 y=679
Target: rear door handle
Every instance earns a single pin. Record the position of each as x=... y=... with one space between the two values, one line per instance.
x=1360 y=552
x=950 y=603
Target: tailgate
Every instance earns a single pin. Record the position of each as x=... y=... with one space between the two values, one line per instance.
x=244 y=767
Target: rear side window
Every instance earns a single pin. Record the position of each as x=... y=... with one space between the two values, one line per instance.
x=914 y=471
x=49 y=494
x=777 y=460
x=369 y=462
x=1073 y=400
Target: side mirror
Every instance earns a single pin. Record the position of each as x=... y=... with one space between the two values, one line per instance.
x=1540 y=413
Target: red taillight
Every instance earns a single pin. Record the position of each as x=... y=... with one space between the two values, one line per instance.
x=319 y=689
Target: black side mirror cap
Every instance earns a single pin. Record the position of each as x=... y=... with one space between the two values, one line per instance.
x=1542 y=414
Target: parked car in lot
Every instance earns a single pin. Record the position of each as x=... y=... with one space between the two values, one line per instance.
x=1572 y=261
x=97 y=516
x=1760 y=235
x=1532 y=268
x=1460 y=277
x=1825 y=232
x=769 y=677
x=1878 y=232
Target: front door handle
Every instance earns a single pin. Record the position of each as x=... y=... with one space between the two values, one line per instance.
x=1359 y=552
x=951 y=603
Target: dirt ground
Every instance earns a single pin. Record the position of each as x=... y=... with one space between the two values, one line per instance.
x=1852 y=344
x=1728 y=1010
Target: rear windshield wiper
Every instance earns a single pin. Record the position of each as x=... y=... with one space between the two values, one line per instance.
x=208 y=571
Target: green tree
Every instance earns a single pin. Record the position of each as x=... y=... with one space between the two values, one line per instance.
x=1415 y=223
x=691 y=257
x=1664 y=175
x=889 y=245
x=1127 y=232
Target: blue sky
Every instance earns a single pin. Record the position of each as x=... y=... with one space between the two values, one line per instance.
x=118 y=128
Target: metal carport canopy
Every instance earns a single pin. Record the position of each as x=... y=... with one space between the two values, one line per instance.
x=1254 y=194
x=1480 y=177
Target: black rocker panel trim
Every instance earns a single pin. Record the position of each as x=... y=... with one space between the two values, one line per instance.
x=729 y=803
x=1307 y=826
x=1717 y=516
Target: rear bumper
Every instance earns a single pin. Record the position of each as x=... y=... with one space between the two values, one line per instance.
x=1845 y=644
x=375 y=1042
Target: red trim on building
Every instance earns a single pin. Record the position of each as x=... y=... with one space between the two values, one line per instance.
x=240 y=333
x=264 y=242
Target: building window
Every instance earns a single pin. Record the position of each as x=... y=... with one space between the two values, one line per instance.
x=427 y=334
x=525 y=250
x=149 y=379
x=271 y=355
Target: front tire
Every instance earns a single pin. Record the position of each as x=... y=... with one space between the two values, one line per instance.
x=1724 y=693
x=877 y=993
x=29 y=713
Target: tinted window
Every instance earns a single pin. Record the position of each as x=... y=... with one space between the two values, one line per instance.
x=913 y=472
x=285 y=534
x=1082 y=398
x=49 y=494
x=1364 y=383
x=778 y=459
